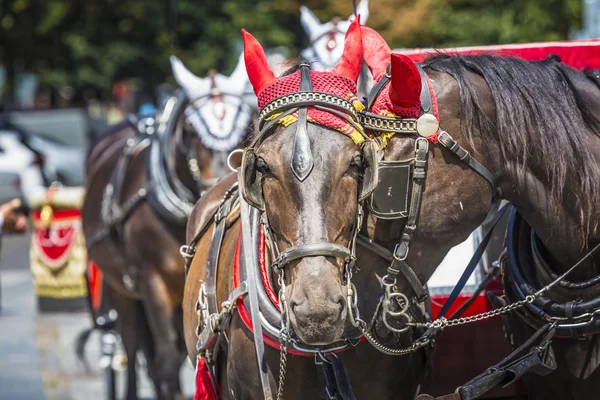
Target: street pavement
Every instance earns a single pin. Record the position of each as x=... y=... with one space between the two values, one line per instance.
x=37 y=351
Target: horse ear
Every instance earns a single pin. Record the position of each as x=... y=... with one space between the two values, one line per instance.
x=363 y=10
x=192 y=85
x=309 y=21
x=351 y=61
x=259 y=73
x=377 y=52
x=405 y=88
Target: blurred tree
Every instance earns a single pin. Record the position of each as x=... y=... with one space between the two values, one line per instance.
x=90 y=44
x=443 y=23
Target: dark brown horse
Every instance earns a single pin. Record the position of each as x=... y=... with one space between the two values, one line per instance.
x=143 y=178
x=310 y=222
x=535 y=126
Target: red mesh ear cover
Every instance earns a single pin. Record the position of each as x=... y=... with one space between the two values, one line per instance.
x=376 y=52
x=402 y=96
x=340 y=82
x=323 y=82
x=258 y=70
x=351 y=61
x=405 y=88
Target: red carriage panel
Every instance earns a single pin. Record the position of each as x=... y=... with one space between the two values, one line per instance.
x=576 y=53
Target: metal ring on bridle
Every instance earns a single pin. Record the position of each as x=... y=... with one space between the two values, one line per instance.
x=404 y=304
x=397 y=330
x=229 y=158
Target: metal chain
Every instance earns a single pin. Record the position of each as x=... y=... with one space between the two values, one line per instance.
x=283 y=336
x=442 y=323
x=282 y=368
x=417 y=344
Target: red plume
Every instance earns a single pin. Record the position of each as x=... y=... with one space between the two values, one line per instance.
x=405 y=88
x=377 y=52
x=259 y=73
x=349 y=65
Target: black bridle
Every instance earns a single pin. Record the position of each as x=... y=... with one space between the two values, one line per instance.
x=411 y=174
x=301 y=165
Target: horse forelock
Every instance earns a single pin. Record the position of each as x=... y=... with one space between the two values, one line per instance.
x=542 y=121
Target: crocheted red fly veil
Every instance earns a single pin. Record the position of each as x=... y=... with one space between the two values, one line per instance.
x=340 y=82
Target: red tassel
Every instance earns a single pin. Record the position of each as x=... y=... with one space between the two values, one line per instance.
x=204 y=385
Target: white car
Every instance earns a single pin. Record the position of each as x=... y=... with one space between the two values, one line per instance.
x=18 y=160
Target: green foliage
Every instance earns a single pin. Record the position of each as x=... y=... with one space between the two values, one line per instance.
x=93 y=43
x=479 y=22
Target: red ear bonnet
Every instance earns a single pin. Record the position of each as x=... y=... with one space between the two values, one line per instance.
x=351 y=61
x=405 y=86
x=377 y=52
x=259 y=73
x=340 y=82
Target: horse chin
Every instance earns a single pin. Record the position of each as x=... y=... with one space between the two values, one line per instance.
x=315 y=333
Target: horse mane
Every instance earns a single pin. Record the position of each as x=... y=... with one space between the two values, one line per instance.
x=538 y=106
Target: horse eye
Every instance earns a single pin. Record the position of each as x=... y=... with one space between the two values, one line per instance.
x=357 y=160
x=261 y=165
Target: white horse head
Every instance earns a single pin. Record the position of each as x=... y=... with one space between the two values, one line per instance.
x=327 y=39
x=217 y=110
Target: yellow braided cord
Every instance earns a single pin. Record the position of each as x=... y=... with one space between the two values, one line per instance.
x=387 y=136
x=358 y=105
x=285 y=121
x=356 y=136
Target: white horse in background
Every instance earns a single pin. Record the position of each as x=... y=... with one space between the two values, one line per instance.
x=219 y=109
x=327 y=42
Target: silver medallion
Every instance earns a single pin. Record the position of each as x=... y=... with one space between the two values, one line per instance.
x=427 y=125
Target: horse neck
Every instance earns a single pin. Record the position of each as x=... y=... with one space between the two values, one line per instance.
x=551 y=200
x=558 y=228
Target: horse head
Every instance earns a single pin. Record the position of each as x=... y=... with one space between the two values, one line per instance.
x=218 y=113
x=308 y=169
x=326 y=39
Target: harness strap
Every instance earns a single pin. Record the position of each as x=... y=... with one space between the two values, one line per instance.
x=426 y=100
x=189 y=250
x=407 y=272
x=311 y=250
x=212 y=262
x=464 y=156
x=400 y=254
x=472 y=265
x=336 y=380
x=249 y=257
x=534 y=356
x=585 y=315
x=113 y=214
x=376 y=90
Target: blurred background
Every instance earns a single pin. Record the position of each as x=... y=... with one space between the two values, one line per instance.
x=69 y=68
x=96 y=60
